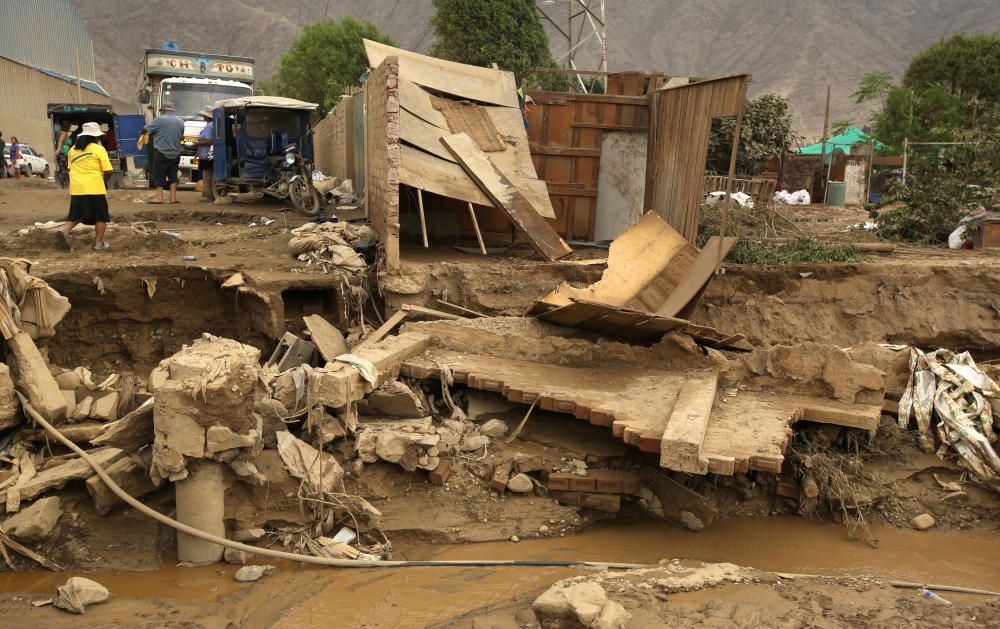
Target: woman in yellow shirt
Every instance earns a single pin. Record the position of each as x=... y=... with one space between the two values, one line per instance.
x=89 y=169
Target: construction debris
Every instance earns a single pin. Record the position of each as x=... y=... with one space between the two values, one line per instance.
x=330 y=246
x=36 y=522
x=950 y=386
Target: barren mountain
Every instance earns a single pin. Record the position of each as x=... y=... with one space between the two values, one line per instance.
x=792 y=47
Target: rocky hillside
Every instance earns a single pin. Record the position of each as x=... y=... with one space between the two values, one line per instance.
x=792 y=47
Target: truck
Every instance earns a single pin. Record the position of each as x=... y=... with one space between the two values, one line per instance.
x=191 y=81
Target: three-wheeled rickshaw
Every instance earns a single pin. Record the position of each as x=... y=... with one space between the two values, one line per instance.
x=263 y=144
x=122 y=132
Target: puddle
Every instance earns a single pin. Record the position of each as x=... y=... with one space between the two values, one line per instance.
x=309 y=597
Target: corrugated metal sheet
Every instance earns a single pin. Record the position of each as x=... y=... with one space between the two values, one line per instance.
x=24 y=100
x=680 y=121
x=48 y=34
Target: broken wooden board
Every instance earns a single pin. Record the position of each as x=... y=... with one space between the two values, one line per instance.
x=328 y=340
x=697 y=277
x=682 y=440
x=636 y=403
x=645 y=263
x=472 y=120
x=479 y=84
x=422 y=170
x=632 y=324
x=57 y=476
x=507 y=196
x=417 y=101
x=596 y=481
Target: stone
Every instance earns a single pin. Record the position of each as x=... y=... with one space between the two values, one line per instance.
x=494 y=428
x=923 y=521
x=249 y=535
x=543 y=529
x=568 y=604
x=129 y=475
x=396 y=399
x=57 y=476
x=69 y=381
x=9 y=415
x=83 y=408
x=132 y=432
x=271 y=412
x=520 y=484
x=515 y=538
x=78 y=592
x=219 y=438
x=474 y=443
x=34 y=378
x=105 y=408
x=234 y=556
x=613 y=616
x=70 y=403
x=247 y=574
x=689 y=520
x=35 y=522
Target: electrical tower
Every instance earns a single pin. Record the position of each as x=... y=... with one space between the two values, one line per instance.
x=583 y=28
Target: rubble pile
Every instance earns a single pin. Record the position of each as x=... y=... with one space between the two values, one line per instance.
x=331 y=246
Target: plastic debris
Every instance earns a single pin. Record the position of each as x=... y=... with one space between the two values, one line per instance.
x=800 y=197
x=949 y=386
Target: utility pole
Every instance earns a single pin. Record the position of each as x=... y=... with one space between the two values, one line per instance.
x=826 y=127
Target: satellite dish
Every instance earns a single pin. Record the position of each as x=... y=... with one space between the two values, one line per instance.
x=170 y=44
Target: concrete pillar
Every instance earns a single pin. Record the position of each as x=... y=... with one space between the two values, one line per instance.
x=201 y=503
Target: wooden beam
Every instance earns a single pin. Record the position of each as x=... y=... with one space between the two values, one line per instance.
x=384 y=329
x=462 y=308
x=506 y=196
x=608 y=127
x=430 y=312
x=475 y=225
x=567 y=151
x=570 y=191
x=423 y=219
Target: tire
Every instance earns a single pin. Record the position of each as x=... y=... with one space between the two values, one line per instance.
x=46 y=173
x=305 y=198
x=28 y=170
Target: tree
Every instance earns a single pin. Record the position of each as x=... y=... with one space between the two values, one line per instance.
x=873 y=85
x=324 y=59
x=483 y=32
x=766 y=133
x=839 y=126
x=949 y=92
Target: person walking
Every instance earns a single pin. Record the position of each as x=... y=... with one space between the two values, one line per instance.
x=15 y=156
x=167 y=130
x=63 y=144
x=3 y=165
x=89 y=170
x=205 y=163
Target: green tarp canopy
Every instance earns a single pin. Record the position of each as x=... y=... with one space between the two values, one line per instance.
x=845 y=141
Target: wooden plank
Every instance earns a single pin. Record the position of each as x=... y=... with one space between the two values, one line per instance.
x=612 y=99
x=417 y=101
x=475 y=225
x=472 y=82
x=423 y=135
x=327 y=339
x=426 y=172
x=430 y=312
x=680 y=449
x=697 y=277
x=470 y=311
x=507 y=197
x=565 y=150
x=555 y=189
x=609 y=127
x=384 y=329
x=423 y=218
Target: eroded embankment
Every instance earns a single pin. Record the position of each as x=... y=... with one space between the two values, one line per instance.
x=953 y=305
x=932 y=305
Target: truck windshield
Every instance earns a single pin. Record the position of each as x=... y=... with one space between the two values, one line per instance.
x=190 y=98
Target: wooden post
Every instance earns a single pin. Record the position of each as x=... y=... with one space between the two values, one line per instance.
x=826 y=131
x=732 y=173
x=423 y=220
x=475 y=225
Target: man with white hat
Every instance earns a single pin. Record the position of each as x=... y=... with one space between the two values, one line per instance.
x=89 y=169
x=167 y=130
x=205 y=163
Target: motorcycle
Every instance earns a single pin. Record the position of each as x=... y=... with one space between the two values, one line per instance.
x=295 y=183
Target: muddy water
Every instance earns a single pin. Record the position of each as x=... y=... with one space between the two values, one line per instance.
x=421 y=596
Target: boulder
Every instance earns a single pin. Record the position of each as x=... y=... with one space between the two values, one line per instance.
x=253 y=573
x=83 y=408
x=520 y=484
x=105 y=408
x=923 y=521
x=567 y=604
x=494 y=428
x=395 y=399
x=36 y=522
x=474 y=443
